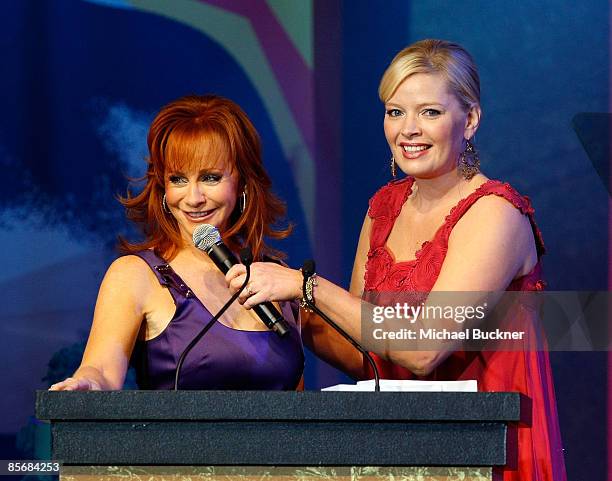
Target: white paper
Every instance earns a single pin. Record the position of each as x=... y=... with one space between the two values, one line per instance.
x=403 y=385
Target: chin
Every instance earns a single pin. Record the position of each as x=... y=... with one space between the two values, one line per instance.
x=426 y=173
x=420 y=173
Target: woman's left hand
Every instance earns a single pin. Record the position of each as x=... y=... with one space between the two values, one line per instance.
x=268 y=282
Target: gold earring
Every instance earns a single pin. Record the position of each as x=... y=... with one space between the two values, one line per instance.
x=393 y=167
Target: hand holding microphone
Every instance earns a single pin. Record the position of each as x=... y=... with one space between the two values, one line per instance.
x=281 y=283
x=206 y=237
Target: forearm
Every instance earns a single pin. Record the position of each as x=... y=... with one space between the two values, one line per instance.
x=340 y=305
x=271 y=282
x=330 y=346
x=352 y=314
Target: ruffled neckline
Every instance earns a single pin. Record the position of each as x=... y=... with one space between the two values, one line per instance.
x=447 y=219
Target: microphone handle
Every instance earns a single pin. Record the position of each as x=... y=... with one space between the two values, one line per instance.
x=224 y=259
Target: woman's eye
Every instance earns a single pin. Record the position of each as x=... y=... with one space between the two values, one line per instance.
x=431 y=112
x=177 y=179
x=394 y=112
x=211 y=178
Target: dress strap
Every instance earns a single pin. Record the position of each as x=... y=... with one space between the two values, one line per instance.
x=384 y=208
x=165 y=274
x=501 y=189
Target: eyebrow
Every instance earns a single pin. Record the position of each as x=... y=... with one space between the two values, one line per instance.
x=421 y=105
x=201 y=171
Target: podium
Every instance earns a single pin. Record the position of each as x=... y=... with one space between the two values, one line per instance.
x=284 y=434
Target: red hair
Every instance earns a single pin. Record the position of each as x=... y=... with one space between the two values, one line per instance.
x=194 y=132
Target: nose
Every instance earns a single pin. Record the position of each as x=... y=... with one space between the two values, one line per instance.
x=195 y=194
x=410 y=126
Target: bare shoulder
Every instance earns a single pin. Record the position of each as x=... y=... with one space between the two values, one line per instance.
x=493 y=215
x=494 y=235
x=130 y=273
x=126 y=266
x=489 y=246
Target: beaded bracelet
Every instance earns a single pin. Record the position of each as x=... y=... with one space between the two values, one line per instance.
x=311 y=282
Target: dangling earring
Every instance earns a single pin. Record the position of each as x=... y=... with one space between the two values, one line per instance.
x=393 y=167
x=469 y=163
x=242 y=200
x=165 y=205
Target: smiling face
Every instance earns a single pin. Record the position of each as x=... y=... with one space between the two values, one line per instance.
x=201 y=186
x=201 y=196
x=425 y=126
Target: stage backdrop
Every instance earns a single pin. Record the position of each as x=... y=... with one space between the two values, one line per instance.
x=82 y=79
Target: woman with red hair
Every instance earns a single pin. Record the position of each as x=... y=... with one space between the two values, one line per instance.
x=204 y=167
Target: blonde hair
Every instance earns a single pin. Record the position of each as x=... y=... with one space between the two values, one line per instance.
x=434 y=57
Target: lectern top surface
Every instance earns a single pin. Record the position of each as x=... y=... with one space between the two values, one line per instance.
x=282 y=405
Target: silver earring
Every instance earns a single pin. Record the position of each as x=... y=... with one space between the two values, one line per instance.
x=165 y=205
x=393 y=167
x=242 y=200
x=469 y=163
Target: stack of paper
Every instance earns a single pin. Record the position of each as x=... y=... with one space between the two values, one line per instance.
x=409 y=385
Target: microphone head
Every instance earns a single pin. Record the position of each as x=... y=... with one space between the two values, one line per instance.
x=205 y=236
x=308 y=268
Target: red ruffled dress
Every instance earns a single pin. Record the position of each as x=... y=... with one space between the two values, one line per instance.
x=540 y=453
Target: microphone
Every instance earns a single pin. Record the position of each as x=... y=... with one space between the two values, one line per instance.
x=206 y=238
x=308 y=270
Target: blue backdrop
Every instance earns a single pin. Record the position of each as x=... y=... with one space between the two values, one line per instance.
x=82 y=80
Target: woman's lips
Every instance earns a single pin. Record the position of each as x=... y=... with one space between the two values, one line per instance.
x=199 y=216
x=414 y=151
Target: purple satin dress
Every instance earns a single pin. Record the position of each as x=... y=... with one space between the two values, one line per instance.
x=224 y=358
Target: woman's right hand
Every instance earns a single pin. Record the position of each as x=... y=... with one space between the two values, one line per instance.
x=269 y=282
x=76 y=384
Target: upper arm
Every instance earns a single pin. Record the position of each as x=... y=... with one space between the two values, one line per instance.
x=117 y=319
x=361 y=256
x=487 y=248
